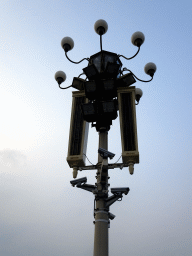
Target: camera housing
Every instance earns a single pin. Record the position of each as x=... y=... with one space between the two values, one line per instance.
x=123 y=190
x=105 y=153
x=78 y=182
x=111 y=215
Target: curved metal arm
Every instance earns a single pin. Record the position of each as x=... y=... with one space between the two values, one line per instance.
x=74 y=61
x=65 y=87
x=118 y=159
x=81 y=74
x=132 y=56
x=88 y=159
x=125 y=69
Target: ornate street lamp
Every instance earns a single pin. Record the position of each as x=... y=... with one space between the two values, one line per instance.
x=105 y=91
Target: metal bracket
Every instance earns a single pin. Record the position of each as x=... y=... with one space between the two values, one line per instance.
x=112 y=199
x=110 y=166
x=87 y=187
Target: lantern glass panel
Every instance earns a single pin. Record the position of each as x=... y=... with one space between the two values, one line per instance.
x=109 y=58
x=91 y=72
x=78 y=83
x=97 y=62
x=126 y=80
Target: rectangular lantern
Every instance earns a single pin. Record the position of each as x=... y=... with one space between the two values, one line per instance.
x=128 y=125
x=78 y=134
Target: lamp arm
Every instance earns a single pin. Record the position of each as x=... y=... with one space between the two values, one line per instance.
x=125 y=69
x=81 y=74
x=64 y=87
x=132 y=56
x=74 y=61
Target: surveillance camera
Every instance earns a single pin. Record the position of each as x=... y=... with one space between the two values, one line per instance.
x=67 y=43
x=78 y=182
x=120 y=190
x=150 y=69
x=60 y=77
x=111 y=216
x=101 y=27
x=138 y=94
x=104 y=153
x=138 y=39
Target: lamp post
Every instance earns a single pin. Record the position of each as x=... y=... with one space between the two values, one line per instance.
x=104 y=91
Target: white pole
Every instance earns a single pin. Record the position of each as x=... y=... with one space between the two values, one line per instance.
x=101 y=213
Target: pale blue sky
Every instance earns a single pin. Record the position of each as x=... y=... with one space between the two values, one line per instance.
x=41 y=214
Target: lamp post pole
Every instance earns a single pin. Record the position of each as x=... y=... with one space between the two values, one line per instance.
x=101 y=212
x=104 y=92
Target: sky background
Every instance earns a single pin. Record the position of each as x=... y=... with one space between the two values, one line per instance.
x=41 y=214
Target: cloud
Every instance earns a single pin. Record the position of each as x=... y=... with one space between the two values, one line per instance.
x=12 y=158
